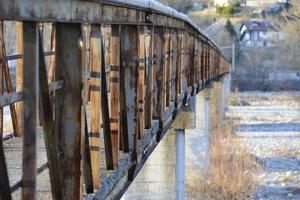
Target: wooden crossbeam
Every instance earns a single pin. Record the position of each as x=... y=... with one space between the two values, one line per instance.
x=11 y=98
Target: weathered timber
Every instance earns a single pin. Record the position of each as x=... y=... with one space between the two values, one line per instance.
x=11 y=98
x=4 y=182
x=158 y=63
x=51 y=142
x=178 y=38
x=105 y=112
x=95 y=102
x=51 y=69
x=19 y=74
x=129 y=41
x=8 y=83
x=174 y=50
x=141 y=82
x=115 y=90
x=149 y=39
x=30 y=81
x=167 y=66
x=68 y=106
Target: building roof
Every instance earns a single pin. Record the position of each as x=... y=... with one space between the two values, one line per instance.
x=256 y=25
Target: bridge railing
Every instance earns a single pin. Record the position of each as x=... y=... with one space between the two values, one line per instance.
x=114 y=77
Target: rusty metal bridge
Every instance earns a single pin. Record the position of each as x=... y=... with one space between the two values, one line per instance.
x=101 y=82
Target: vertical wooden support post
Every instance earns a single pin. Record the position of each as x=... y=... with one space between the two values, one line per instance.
x=173 y=60
x=158 y=69
x=105 y=109
x=129 y=45
x=149 y=39
x=141 y=82
x=4 y=182
x=51 y=69
x=178 y=38
x=167 y=67
x=68 y=106
x=95 y=99
x=51 y=142
x=30 y=80
x=19 y=74
x=115 y=90
x=183 y=62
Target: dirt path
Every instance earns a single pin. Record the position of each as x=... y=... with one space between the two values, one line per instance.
x=269 y=124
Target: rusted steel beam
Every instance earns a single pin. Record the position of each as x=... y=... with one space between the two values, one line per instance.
x=129 y=45
x=141 y=82
x=19 y=74
x=149 y=39
x=51 y=142
x=4 y=181
x=95 y=102
x=8 y=83
x=31 y=82
x=115 y=90
x=158 y=76
x=68 y=106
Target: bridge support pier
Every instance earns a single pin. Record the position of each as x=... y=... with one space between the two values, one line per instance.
x=185 y=120
x=180 y=163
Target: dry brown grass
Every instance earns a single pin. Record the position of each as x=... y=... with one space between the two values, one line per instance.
x=231 y=173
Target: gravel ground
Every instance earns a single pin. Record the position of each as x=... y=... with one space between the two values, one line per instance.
x=269 y=124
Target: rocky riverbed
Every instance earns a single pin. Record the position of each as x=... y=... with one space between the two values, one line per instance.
x=269 y=125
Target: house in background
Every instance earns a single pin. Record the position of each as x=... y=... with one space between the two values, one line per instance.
x=260 y=33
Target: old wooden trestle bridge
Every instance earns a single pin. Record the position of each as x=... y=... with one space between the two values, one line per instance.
x=104 y=80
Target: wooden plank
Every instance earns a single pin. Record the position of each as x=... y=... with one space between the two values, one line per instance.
x=178 y=68
x=95 y=102
x=158 y=65
x=56 y=85
x=129 y=45
x=149 y=39
x=167 y=67
x=105 y=112
x=141 y=82
x=51 y=68
x=19 y=74
x=4 y=181
x=68 y=106
x=51 y=142
x=114 y=90
x=31 y=82
x=173 y=61
x=124 y=138
x=11 y=98
x=8 y=83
